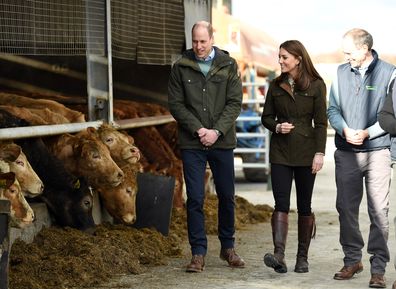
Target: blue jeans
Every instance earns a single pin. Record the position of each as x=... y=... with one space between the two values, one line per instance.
x=221 y=162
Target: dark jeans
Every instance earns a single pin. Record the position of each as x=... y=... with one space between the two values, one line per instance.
x=282 y=177
x=221 y=163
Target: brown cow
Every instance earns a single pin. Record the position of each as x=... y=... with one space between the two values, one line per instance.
x=159 y=154
x=12 y=159
x=120 y=201
x=121 y=145
x=84 y=155
x=22 y=101
x=25 y=114
x=21 y=213
x=36 y=116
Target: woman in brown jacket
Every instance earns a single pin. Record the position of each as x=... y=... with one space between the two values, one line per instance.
x=295 y=111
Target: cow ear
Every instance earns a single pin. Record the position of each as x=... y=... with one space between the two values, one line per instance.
x=6 y=180
x=77 y=184
x=10 y=152
x=131 y=140
x=91 y=129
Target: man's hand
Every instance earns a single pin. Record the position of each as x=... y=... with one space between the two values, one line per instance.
x=207 y=136
x=355 y=137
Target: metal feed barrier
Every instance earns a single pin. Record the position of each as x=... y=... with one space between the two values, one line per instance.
x=260 y=135
x=4 y=242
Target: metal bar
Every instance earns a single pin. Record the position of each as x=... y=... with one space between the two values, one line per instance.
x=45 y=130
x=98 y=59
x=251 y=134
x=4 y=242
x=54 y=129
x=253 y=101
x=143 y=121
x=248 y=118
x=252 y=165
x=250 y=150
x=253 y=84
x=110 y=118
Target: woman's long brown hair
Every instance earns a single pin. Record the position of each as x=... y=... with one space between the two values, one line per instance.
x=306 y=70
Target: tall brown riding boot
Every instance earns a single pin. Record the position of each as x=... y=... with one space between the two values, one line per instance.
x=279 y=223
x=306 y=231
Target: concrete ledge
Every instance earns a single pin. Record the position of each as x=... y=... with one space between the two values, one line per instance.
x=28 y=233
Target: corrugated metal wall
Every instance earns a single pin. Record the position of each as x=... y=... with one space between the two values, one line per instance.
x=148 y=31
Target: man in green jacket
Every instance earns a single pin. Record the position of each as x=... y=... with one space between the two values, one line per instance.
x=205 y=98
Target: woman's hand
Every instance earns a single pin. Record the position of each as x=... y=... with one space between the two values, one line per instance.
x=317 y=162
x=284 y=128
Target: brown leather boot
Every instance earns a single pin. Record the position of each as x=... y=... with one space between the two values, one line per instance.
x=306 y=231
x=232 y=258
x=197 y=264
x=279 y=223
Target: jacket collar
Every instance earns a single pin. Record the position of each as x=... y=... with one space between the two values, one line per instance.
x=219 y=56
x=372 y=64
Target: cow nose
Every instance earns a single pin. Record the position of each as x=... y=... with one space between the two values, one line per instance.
x=30 y=217
x=41 y=188
x=120 y=174
x=129 y=218
x=135 y=150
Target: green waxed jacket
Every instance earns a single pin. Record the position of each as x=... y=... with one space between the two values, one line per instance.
x=306 y=110
x=212 y=102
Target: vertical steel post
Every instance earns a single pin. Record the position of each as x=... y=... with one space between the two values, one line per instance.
x=99 y=60
x=4 y=242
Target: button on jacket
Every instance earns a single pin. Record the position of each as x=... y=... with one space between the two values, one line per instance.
x=213 y=102
x=306 y=110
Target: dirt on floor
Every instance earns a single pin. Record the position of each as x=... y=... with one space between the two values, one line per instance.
x=63 y=257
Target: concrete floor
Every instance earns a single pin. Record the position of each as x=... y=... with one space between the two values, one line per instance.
x=325 y=249
x=325 y=254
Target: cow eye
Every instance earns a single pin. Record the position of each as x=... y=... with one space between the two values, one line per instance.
x=20 y=163
x=129 y=190
x=13 y=191
x=87 y=202
x=109 y=140
x=96 y=156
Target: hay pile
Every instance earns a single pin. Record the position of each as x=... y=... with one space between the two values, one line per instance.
x=64 y=257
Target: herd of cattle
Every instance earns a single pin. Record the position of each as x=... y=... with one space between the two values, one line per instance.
x=63 y=170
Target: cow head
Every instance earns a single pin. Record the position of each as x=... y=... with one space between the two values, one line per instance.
x=121 y=145
x=29 y=181
x=85 y=155
x=21 y=213
x=95 y=162
x=120 y=201
x=71 y=204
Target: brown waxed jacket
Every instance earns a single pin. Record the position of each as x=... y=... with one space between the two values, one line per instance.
x=213 y=102
x=306 y=110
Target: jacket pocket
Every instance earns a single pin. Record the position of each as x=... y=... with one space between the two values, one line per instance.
x=190 y=81
x=218 y=78
x=304 y=131
x=305 y=102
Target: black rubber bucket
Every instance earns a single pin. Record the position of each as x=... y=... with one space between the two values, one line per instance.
x=154 y=202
